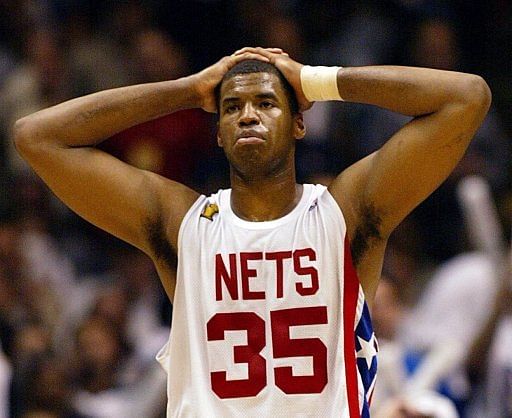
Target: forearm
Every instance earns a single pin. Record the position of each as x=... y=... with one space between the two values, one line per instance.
x=90 y=119
x=410 y=91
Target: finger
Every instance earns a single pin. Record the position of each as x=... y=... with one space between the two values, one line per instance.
x=235 y=59
x=275 y=50
x=263 y=52
x=245 y=55
x=242 y=50
x=260 y=50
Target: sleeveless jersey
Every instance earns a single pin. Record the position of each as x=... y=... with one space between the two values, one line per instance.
x=269 y=318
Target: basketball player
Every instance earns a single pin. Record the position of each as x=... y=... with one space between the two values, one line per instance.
x=275 y=279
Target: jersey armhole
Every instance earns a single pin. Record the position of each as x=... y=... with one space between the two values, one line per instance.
x=338 y=210
x=186 y=218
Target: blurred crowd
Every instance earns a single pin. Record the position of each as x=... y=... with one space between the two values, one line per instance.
x=83 y=315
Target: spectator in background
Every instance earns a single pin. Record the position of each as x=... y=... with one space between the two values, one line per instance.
x=100 y=353
x=364 y=34
x=173 y=145
x=24 y=299
x=97 y=60
x=138 y=294
x=498 y=380
x=42 y=79
x=451 y=312
x=388 y=312
x=399 y=391
x=405 y=259
x=489 y=361
x=41 y=276
x=110 y=380
x=32 y=341
x=48 y=390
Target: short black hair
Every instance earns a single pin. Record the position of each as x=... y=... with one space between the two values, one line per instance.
x=256 y=66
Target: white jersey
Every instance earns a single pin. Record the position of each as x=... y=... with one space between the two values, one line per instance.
x=269 y=319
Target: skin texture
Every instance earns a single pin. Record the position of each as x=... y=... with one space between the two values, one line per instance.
x=146 y=210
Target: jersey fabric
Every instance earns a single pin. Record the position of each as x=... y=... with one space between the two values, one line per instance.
x=269 y=318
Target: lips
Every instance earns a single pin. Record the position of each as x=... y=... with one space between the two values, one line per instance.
x=250 y=140
x=250 y=137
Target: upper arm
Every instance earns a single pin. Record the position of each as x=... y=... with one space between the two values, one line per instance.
x=123 y=200
x=410 y=166
x=379 y=191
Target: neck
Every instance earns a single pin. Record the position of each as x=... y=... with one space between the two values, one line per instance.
x=265 y=199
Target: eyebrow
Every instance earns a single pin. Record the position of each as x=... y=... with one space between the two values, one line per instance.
x=265 y=95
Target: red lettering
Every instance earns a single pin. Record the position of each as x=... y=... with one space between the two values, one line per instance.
x=247 y=274
x=279 y=257
x=305 y=271
x=221 y=275
x=228 y=278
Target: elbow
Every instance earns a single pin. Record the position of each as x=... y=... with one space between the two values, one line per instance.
x=24 y=136
x=477 y=94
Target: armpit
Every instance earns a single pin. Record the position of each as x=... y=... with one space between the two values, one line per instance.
x=367 y=232
x=159 y=243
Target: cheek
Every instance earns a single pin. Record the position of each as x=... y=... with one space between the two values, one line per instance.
x=221 y=135
x=225 y=127
x=283 y=128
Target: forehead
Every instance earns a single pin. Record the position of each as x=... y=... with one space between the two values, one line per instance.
x=252 y=83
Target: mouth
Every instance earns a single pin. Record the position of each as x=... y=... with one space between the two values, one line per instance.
x=250 y=137
x=250 y=140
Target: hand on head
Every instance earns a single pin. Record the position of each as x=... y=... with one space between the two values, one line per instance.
x=290 y=69
x=206 y=80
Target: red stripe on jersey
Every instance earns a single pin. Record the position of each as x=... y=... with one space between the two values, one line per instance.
x=350 y=296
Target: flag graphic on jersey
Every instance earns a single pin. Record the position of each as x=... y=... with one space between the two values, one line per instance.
x=360 y=346
x=366 y=357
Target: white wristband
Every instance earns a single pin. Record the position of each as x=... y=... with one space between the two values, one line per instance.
x=320 y=83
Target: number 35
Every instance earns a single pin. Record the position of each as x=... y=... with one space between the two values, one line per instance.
x=283 y=346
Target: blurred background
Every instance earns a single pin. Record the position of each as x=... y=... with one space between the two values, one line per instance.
x=83 y=315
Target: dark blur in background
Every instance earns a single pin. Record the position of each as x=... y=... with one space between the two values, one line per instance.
x=82 y=315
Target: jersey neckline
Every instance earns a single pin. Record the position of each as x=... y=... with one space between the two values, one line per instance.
x=227 y=211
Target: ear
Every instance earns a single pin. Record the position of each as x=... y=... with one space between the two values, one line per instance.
x=299 y=129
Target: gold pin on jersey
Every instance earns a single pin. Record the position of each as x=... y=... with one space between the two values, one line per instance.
x=209 y=211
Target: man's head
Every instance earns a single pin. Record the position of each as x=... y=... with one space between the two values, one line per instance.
x=259 y=119
x=255 y=66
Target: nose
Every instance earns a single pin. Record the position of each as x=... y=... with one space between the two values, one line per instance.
x=248 y=116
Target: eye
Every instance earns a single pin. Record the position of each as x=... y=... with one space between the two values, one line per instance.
x=266 y=105
x=231 y=109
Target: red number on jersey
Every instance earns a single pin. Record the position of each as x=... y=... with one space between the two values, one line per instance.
x=283 y=347
x=255 y=327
